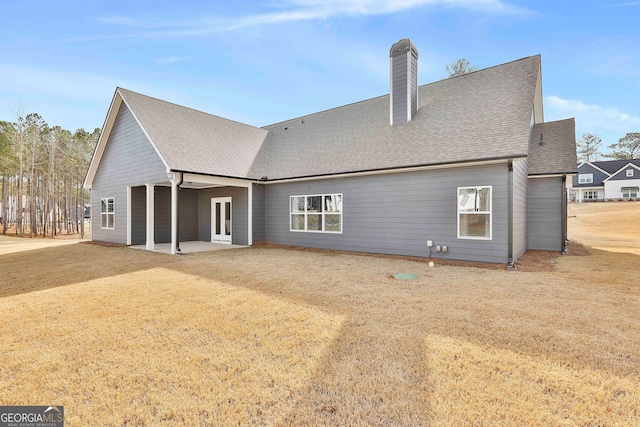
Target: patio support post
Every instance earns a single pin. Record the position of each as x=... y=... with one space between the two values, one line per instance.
x=150 y=217
x=174 y=214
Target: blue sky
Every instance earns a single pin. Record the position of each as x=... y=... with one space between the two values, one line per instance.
x=263 y=62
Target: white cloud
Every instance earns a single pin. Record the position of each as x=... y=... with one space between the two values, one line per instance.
x=169 y=60
x=607 y=122
x=303 y=10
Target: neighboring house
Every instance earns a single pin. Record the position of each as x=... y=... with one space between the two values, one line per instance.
x=466 y=162
x=606 y=180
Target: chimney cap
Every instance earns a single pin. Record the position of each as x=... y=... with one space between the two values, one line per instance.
x=403 y=46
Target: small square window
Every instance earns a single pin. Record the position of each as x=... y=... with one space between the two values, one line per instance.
x=629 y=172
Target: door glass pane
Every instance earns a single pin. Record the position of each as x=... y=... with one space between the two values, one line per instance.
x=227 y=218
x=218 y=219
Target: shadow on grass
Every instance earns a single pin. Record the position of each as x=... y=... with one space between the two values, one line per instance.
x=39 y=269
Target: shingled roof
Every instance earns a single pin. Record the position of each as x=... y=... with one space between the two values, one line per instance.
x=483 y=115
x=553 y=148
x=192 y=141
x=478 y=116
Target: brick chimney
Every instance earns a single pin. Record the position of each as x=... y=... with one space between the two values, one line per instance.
x=404 y=82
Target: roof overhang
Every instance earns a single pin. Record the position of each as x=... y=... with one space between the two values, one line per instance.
x=470 y=163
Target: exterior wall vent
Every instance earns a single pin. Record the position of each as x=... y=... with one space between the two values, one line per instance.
x=404 y=82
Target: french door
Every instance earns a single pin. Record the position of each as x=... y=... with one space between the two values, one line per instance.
x=221 y=219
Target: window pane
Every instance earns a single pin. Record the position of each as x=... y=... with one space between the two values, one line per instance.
x=297 y=204
x=332 y=222
x=297 y=221
x=110 y=218
x=227 y=218
x=104 y=220
x=314 y=222
x=110 y=205
x=474 y=199
x=475 y=225
x=314 y=203
x=103 y=206
x=333 y=203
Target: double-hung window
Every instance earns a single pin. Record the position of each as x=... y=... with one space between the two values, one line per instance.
x=108 y=213
x=474 y=213
x=585 y=178
x=321 y=213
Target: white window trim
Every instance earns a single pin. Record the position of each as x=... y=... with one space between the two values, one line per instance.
x=341 y=213
x=629 y=173
x=588 y=178
x=490 y=213
x=106 y=199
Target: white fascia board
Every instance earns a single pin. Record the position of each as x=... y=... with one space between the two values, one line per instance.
x=102 y=139
x=620 y=170
x=133 y=113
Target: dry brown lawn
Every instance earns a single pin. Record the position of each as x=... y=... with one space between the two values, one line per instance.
x=268 y=336
x=610 y=226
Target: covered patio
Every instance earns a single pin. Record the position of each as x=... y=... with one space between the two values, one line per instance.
x=190 y=213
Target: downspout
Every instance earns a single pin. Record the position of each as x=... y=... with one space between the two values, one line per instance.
x=564 y=214
x=178 y=212
x=511 y=262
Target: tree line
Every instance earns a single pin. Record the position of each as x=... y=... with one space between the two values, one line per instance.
x=43 y=169
x=627 y=147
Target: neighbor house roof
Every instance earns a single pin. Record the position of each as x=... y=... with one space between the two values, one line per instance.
x=553 y=148
x=612 y=166
x=478 y=116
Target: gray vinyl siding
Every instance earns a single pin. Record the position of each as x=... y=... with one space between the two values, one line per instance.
x=520 y=190
x=239 y=218
x=598 y=176
x=398 y=213
x=128 y=159
x=138 y=215
x=258 y=213
x=399 y=89
x=545 y=213
x=188 y=214
x=414 y=84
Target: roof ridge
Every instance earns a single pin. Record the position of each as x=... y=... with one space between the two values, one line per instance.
x=387 y=94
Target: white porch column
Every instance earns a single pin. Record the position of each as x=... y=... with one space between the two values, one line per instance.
x=150 y=217
x=174 y=215
x=250 y=214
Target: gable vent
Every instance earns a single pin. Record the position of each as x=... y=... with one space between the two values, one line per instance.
x=404 y=82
